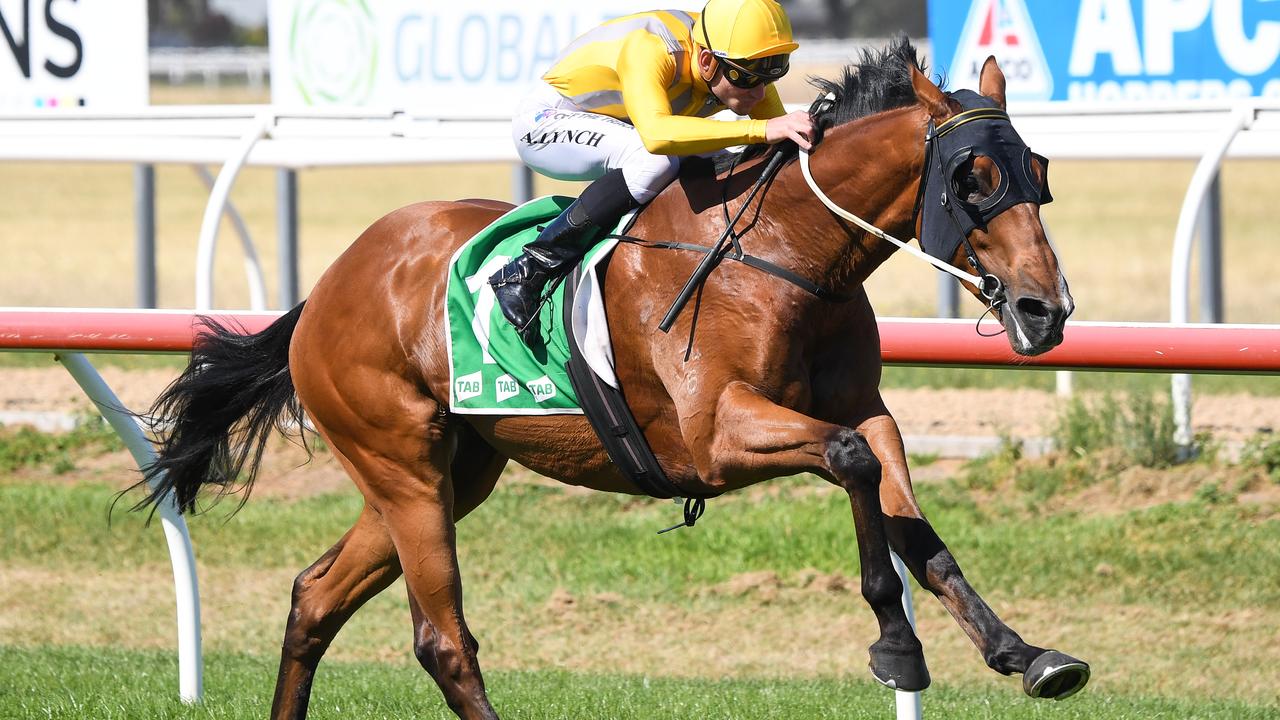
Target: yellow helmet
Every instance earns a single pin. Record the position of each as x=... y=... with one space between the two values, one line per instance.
x=744 y=29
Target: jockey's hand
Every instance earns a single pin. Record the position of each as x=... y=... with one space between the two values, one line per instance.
x=797 y=126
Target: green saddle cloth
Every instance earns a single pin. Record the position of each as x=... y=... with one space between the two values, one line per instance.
x=492 y=371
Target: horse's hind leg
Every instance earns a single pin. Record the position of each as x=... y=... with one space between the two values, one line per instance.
x=359 y=566
x=475 y=471
x=419 y=513
x=325 y=595
x=1045 y=673
x=401 y=445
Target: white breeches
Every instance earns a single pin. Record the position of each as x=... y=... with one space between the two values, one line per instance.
x=557 y=139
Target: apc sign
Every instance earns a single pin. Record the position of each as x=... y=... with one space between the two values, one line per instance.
x=1113 y=50
x=416 y=54
x=73 y=53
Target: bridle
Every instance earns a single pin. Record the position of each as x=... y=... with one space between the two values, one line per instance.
x=981 y=128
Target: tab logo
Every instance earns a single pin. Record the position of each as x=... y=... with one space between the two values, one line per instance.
x=505 y=388
x=468 y=386
x=1003 y=28
x=542 y=389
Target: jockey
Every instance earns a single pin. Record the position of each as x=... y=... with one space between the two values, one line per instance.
x=620 y=107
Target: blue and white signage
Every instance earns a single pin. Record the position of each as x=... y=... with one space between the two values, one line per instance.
x=65 y=54
x=1112 y=50
x=425 y=54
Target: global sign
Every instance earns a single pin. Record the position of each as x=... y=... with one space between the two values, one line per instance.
x=1113 y=50
x=419 y=54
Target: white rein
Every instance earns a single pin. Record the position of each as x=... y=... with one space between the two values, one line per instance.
x=813 y=185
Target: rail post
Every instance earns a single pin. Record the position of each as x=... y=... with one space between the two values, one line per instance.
x=181 y=555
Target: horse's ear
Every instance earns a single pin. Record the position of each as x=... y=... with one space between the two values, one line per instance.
x=991 y=81
x=930 y=96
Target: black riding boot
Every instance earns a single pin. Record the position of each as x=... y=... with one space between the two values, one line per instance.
x=518 y=286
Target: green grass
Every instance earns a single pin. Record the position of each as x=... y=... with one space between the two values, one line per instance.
x=1263 y=452
x=126 y=361
x=531 y=541
x=1142 y=428
x=1183 y=589
x=597 y=543
x=112 y=684
x=23 y=446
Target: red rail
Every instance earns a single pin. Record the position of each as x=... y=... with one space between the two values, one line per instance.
x=1161 y=347
x=138 y=331
x=1102 y=346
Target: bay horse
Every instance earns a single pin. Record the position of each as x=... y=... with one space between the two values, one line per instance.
x=778 y=381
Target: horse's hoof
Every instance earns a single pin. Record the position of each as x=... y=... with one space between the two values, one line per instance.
x=899 y=671
x=1055 y=675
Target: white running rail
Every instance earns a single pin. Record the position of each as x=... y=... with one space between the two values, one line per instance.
x=181 y=555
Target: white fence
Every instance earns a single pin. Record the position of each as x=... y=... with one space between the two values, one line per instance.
x=305 y=138
x=213 y=66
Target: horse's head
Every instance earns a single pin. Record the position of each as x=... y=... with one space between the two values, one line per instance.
x=979 y=209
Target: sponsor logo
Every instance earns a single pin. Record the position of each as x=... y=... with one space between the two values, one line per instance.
x=505 y=388
x=542 y=389
x=1003 y=28
x=333 y=51
x=20 y=42
x=1187 y=51
x=468 y=386
x=578 y=137
x=554 y=114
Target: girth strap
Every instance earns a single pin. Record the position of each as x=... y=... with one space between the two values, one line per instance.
x=606 y=409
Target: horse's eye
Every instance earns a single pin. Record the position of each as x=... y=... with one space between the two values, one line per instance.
x=966 y=186
x=970 y=186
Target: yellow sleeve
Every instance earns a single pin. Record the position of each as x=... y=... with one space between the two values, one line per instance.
x=645 y=69
x=771 y=106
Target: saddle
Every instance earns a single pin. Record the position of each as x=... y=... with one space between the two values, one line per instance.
x=571 y=372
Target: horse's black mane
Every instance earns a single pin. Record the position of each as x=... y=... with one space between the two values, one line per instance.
x=878 y=81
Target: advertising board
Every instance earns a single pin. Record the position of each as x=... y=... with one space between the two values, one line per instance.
x=424 y=55
x=1113 y=50
x=64 y=53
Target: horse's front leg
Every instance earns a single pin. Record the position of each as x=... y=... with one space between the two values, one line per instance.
x=754 y=439
x=1045 y=673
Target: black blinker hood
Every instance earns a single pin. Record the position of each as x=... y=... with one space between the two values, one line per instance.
x=980 y=129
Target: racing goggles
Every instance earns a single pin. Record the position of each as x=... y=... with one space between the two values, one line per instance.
x=747 y=74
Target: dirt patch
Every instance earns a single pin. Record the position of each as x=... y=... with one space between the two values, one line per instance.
x=286 y=472
x=1031 y=413
x=52 y=389
x=766 y=586
x=1107 y=483
x=920 y=411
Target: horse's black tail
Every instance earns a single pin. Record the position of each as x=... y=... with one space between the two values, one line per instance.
x=214 y=420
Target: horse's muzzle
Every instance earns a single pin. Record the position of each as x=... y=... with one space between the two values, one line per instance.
x=1035 y=324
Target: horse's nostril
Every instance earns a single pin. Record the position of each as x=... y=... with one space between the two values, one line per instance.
x=1030 y=307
